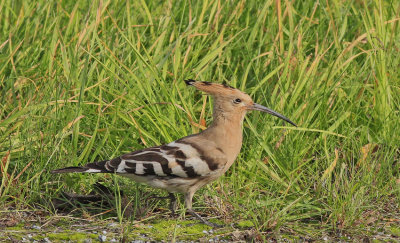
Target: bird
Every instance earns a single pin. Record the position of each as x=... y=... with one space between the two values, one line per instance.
x=189 y=163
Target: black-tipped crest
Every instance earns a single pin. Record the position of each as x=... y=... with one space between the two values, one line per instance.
x=225 y=84
x=192 y=81
x=189 y=81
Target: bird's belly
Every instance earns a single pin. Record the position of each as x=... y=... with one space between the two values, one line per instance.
x=176 y=185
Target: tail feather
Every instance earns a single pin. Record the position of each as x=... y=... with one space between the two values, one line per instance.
x=96 y=167
x=69 y=170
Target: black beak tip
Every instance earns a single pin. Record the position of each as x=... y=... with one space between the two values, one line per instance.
x=189 y=81
x=259 y=107
x=289 y=121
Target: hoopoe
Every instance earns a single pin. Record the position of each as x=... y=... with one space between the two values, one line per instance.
x=187 y=164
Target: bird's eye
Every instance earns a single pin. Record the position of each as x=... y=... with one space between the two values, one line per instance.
x=237 y=101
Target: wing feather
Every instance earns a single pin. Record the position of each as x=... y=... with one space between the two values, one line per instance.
x=176 y=159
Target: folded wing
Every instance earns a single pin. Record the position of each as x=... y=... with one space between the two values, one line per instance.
x=176 y=159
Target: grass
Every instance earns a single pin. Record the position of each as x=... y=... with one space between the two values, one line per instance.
x=85 y=81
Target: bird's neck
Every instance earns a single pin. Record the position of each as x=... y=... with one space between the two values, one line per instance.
x=226 y=132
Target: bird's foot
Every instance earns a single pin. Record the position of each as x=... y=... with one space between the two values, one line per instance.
x=206 y=222
x=214 y=225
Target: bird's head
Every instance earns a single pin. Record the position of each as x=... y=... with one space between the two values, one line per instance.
x=231 y=101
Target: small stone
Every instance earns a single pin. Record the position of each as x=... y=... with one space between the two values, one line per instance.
x=102 y=238
x=46 y=240
x=36 y=227
x=29 y=236
x=325 y=238
x=104 y=232
x=205 y=231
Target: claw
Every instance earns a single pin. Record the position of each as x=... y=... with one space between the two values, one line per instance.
x=211 y=224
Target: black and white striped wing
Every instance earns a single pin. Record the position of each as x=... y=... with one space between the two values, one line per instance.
x=176 y=159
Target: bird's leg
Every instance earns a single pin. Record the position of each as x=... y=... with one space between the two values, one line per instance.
x=188 y=204
x=172 y=204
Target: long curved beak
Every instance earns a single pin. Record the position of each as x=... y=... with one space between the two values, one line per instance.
x=259 y=107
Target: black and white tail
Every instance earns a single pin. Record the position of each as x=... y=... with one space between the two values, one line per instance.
x=96 y=167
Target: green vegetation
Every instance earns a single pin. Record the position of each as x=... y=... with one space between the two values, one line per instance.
x=82 y=81
x=78 y=237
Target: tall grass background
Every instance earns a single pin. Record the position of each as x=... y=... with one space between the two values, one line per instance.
x=82 y=81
